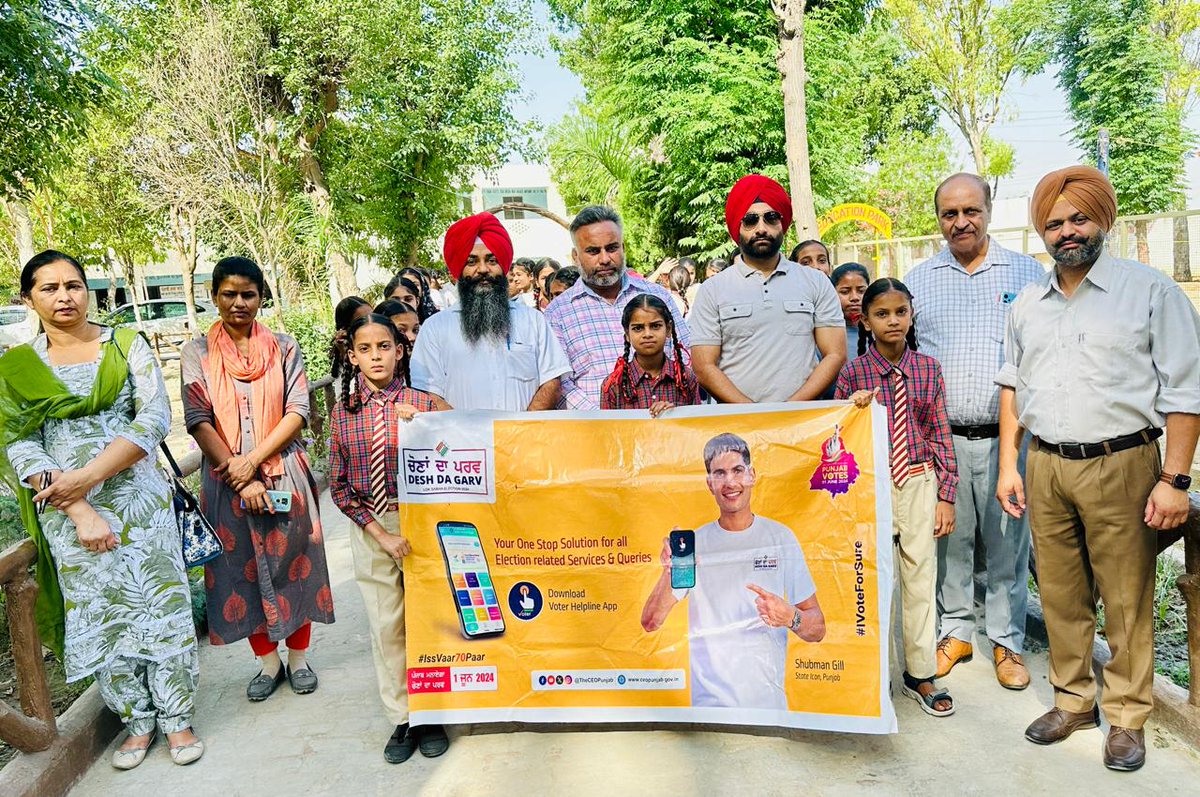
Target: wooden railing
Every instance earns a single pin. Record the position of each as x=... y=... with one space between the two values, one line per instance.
x=1189 y=585
x=35 y=729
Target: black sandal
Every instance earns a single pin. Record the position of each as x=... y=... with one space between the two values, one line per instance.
x=927 y=702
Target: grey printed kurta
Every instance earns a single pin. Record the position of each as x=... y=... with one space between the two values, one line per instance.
x=132 y=602
x=272 y=577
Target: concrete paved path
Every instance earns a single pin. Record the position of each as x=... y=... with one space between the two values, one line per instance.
x=331 y=742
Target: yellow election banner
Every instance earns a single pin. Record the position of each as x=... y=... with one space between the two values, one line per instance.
x=726 y=564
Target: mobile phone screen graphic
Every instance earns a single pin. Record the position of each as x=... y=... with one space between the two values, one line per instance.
x=470 y=580
x=683 y=559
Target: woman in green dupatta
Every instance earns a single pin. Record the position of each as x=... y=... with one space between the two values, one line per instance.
x=87 y=407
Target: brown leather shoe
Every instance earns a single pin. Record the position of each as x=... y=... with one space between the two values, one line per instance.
x=1010 y=670
x=1056 y=725
x=951 y=651
x=1124 y=749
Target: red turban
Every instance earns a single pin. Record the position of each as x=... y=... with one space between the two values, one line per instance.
x=460 y=240
x=755 y=188
x=1084 y=187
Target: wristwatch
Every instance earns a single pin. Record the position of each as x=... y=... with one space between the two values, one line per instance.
x=1180 y=481
x=795 y=626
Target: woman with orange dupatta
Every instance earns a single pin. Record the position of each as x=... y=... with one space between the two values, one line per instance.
x=245 y=398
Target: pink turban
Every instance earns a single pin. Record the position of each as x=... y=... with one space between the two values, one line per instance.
x=755 y=188
x=460 y=240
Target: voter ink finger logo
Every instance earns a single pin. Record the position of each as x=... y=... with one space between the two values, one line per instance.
x=525 y=600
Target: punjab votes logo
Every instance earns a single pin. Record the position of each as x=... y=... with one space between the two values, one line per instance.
x=837 y=470
x=443 y=470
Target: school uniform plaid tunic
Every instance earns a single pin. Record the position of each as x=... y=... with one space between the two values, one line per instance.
x=353 y=449
x=648 y=389
x=928 y=428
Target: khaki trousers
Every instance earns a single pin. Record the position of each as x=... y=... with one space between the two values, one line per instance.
x=381 y=582
x=1088 y=532
x=913 y=508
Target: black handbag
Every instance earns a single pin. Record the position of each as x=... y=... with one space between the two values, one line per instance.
x=200 y=543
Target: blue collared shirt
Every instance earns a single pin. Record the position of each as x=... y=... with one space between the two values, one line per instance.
x=960 y=320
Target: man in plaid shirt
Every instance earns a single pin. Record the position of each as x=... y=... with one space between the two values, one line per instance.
x=587 y=316
x=962 y=297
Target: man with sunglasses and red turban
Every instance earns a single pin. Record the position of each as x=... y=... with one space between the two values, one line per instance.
x=765 y=329
x=487 y=352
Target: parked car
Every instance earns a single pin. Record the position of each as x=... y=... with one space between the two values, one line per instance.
x=163 y=316
x=15 y=326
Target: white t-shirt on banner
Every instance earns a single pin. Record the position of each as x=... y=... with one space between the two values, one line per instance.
x=737 y=660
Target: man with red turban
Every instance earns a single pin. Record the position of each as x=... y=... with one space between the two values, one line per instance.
x=487 y=351
x=765 y=329
x=1100 y=355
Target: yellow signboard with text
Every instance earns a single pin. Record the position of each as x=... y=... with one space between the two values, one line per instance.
x=719 y=564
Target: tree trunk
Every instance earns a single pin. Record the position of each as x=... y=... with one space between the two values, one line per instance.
x=131 y=292
x=22 y=229
x=183 y=253
x=1141 y=231
x=318 y=191
x=269 y=274
x=790 y=14
x=975 y=139
x=1183 y=250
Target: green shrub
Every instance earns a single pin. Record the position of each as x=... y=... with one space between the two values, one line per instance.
x=312 y=327
x=11 y=528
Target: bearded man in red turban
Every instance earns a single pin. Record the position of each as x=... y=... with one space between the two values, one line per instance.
x=486 y=352
x=765 y=329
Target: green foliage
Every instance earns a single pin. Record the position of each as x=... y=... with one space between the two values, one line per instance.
x=910 y=168
x=694 y=92
x=1114 y=70
x=312 y=327
x=11 y=528
x=967 y=51
x=49 y=84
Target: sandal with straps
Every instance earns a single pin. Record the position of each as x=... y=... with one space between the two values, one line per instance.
x=928 y=702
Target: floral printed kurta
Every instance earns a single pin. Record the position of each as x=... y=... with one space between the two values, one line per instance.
x=272 y=577
x=132 y=602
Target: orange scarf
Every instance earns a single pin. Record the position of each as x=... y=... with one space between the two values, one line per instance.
x=263 y=369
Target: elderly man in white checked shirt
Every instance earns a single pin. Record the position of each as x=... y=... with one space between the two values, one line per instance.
x=962 y=297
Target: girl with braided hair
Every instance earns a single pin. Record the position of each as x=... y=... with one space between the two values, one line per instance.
x=348 y=311
x=363 y=453
x=648 y=380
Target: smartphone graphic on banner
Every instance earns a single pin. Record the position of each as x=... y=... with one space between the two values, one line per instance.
x=683 y=559
x=475 y=599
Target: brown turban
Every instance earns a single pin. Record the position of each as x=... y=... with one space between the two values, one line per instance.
x=1084 y=187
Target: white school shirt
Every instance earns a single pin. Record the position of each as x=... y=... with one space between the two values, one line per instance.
x=737 y=660
x=488 y=374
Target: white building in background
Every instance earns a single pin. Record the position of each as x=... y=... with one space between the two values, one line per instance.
x=532 y=235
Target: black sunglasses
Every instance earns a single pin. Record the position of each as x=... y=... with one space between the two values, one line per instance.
x=770 y=217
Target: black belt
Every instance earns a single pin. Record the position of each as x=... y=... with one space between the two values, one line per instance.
x=1092 y=450
x=984 y=431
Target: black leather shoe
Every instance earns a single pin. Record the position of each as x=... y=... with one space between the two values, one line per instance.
x=303 y=680
x=263 y=686
x=400 y=745
x=432 y=740
x=1056 y=725
x=1124 y=749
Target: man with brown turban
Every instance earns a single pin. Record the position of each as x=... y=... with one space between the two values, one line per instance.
x=759 y=325
x=487 y=352
x=1100 y=355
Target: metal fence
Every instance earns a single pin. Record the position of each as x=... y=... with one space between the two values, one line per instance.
x=1170 y=242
